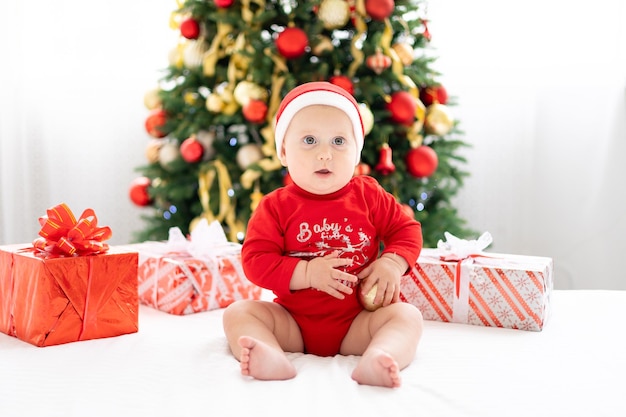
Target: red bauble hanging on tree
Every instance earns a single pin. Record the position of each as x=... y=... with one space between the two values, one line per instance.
x=155 y=123
x=343 y=82
x=402 y=107
x=223 y=3
x=138 y=191
x=385 y=161
x=422 y=161
x=191 y=150
x=378 y=62
x=292 y=42
x=190 y=28
x=379 y=9
x=255 y=111
x=432 y=94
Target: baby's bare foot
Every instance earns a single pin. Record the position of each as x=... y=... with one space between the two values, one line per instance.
x=377 y=368
x=263 y=361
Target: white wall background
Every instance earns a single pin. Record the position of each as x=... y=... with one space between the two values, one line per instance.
x=540 y=86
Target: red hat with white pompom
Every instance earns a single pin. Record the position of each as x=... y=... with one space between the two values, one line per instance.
x=318 y=93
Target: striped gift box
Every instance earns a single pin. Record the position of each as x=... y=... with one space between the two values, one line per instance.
x=485 y=289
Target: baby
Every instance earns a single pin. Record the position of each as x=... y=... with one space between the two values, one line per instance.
x=317 y=242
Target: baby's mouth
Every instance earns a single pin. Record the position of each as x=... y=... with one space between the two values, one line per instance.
x=322 y=171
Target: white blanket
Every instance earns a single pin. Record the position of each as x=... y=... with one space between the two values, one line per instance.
x=181 y=366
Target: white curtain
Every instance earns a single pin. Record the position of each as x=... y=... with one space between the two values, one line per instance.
x=540 y=87
x=73 y=76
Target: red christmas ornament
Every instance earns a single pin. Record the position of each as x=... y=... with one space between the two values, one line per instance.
x=255 y=111
x=432 y=94
x=155 y=123
x=223 y=3
x=422 y=161
x=378 y=62
x=385 y=161
x=138 y=191
x=190 y=28
x=426 y=34
x=379 y=9
x=362 y=169
x=402 y=107
x=343 y=82
x=292 y=42
x=191 y=150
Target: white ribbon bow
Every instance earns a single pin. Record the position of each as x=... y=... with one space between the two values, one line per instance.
x=462 y=251
x=206 y=241
x=455 y=249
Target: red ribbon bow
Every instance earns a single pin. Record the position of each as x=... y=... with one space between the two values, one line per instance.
x=62 y=234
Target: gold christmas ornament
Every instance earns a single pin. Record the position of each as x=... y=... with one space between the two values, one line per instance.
x=206 y=138
x=214 y=103
x=247 y=90
x=193 y=54
x=248 y=155
x=439 y=120
x=367 y=300
x=167 y=154
x=190 y=98
x=230 y=104
x=151 y=99
x=367 y=116
x=404 y=52
x=152 y=150
x=334 y=13
x=175 y=56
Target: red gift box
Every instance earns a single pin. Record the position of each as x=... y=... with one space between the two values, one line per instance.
x=49 y=300
x=487 y=289
x=65 y=287
x=179 y=283
x=192 y=274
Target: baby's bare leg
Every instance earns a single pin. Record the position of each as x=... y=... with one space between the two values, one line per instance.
x=387 y=340
x=258 y=334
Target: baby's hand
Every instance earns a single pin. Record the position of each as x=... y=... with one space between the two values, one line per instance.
x=385 y=272
x=321 y=274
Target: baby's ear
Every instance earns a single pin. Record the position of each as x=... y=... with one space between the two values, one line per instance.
x=282 y=157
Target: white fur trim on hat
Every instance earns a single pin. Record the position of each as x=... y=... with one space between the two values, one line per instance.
x=319 y=97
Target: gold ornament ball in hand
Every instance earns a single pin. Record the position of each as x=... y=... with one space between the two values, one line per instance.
x=367 y=300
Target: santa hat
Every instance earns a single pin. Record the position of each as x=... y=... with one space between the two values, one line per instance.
x=318 y=93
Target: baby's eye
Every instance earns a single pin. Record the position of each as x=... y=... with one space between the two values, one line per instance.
x=339 y=140
x=309 y=140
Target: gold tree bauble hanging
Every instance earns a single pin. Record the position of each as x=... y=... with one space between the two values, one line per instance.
x=404 y=52
x=248 y=154
x=247 y=90
x=214 y=103
x=151 y=99
x=193 y=54
x=334 y=14
x=152 y=150
x=168 y=154
x=207 y=138
x=439 y=120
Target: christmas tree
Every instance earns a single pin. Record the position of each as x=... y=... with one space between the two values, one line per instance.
x=211 y=152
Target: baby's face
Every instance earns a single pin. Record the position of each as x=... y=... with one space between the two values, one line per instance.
x=319 y=149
